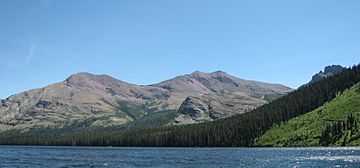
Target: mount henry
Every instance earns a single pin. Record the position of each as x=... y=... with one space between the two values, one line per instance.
x=85 y=99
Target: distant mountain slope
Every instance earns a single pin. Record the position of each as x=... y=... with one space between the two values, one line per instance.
x=99 y=100
x=328 y=71
x=307 y=129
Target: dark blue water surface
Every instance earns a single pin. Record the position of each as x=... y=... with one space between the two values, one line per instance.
x=21 y=156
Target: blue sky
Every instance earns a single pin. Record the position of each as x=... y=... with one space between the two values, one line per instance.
x=147 y=41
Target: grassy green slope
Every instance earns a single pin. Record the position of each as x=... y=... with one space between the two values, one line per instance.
x=306 y=130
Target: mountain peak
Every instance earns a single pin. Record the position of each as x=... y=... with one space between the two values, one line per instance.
x=81 y=75
x=220 y=73
x=328 y=71
x=197 y=72
x=333 y=69
x=86 y=79
x=87 y=74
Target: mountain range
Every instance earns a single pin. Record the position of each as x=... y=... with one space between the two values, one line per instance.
x=86 y=99
x=320 y=113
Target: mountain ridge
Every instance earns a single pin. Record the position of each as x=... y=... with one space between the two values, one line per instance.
x=84 y=95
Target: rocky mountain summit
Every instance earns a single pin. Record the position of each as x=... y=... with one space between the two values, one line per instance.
x=226 y=96
x=85 y=99
x=328 y=71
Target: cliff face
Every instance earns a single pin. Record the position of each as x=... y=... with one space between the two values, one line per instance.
x=99 y=100
x=328 y=71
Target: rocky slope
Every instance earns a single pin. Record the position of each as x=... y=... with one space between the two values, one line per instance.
x=212 y=106
x=225 y=95
x=86 y=99
x=328 y=71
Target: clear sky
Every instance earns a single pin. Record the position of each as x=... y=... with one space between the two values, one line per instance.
x=147 y=41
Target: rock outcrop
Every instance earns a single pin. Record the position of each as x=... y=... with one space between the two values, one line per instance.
x=328 y=71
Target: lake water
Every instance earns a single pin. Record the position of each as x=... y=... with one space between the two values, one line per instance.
x=20 y=156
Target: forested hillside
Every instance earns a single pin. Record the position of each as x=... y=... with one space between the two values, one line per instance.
x=239 y=130
x=336 y=123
